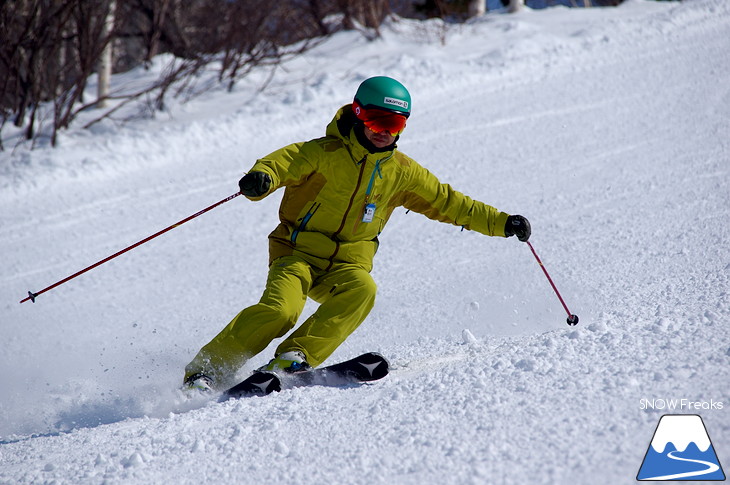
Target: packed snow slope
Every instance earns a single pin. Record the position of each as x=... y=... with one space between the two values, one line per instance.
x=608 y=128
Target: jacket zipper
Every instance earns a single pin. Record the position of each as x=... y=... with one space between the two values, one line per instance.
x=379 y=173
x=347 y=211
x=312 y=209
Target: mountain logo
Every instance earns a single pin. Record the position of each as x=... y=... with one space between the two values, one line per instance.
x=681 y=450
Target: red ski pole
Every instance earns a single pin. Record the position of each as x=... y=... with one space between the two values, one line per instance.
x=32 y=296
x=572 y=319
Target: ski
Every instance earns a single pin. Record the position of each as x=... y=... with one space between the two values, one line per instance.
x=363 y=368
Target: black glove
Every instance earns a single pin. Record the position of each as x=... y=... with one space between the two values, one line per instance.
x=254 y=184
x=518 y=226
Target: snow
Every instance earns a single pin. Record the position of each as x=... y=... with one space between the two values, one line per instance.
x=607 y=128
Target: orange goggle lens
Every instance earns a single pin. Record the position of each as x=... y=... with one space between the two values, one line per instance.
x=379 y=120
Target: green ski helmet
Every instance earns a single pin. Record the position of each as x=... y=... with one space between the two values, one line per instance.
x=384 y=93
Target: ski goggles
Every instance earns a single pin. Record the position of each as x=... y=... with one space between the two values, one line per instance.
x=380 y=120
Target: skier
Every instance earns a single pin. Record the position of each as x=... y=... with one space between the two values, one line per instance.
x=340 y=191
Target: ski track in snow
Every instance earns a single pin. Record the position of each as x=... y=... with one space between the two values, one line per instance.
x=607 y=128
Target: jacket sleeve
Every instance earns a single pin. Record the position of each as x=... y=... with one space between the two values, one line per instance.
x=287 y=165
x=440 y=202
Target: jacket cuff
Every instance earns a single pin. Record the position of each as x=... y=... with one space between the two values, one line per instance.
x=499 y=224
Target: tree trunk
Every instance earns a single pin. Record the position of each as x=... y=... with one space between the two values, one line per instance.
x=105 y=60
x=477 y=8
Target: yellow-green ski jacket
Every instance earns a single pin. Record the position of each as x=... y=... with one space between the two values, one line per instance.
x=332 y=181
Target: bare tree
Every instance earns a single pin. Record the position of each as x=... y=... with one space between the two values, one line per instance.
x=368 y=13
x=50 y=48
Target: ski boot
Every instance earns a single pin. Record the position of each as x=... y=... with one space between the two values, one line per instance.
x=198 y=382
x=288 y=363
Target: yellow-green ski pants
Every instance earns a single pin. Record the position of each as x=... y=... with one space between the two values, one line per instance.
x=346 y=294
